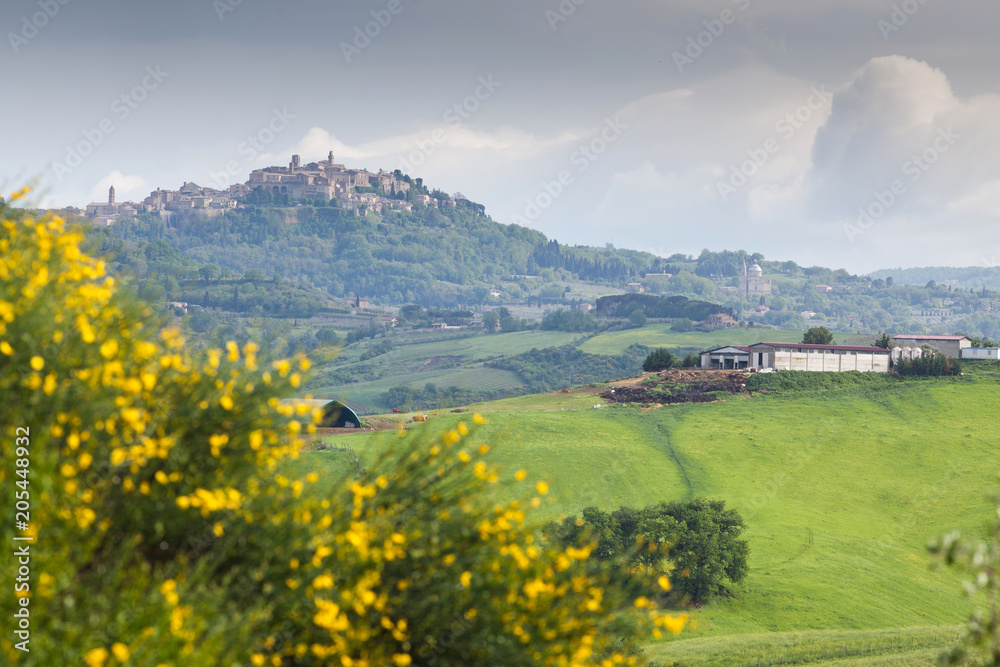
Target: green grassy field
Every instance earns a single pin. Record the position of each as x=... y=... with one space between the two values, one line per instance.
x=841 y=491
x=444 y=359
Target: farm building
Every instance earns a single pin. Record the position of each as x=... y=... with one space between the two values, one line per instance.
x=731 y=357
x=992 y=353
x=336 y=414
x=835 y=358
x=722 y=321
x=949 y=346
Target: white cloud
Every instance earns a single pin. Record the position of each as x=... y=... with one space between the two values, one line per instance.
x=127 y=188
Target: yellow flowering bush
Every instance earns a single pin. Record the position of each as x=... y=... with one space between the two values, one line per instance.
x=165 y=532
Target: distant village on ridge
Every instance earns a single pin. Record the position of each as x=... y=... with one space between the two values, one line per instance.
x=323 y=181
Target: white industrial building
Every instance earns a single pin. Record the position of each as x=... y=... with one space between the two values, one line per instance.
x=949 y=346
x=731 y=357
x=829 y=358
x=991 y=353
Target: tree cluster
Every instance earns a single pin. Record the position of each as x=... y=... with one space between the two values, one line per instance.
x=697 y=542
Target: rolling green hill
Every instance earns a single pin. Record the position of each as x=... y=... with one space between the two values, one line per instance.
x=841 y=491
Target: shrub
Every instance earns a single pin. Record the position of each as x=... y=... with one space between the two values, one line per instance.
x=930 y=363
x=698 y=539
x=568 y=319
x=168 y=529
x=658 y=360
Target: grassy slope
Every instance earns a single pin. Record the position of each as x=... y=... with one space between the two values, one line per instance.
x=841 y=492
x=417 y=363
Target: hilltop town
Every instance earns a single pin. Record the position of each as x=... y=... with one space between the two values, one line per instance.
x=358 y=190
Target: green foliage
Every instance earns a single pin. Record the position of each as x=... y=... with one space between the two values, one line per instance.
x=327 y=336
x=558 y=367
x=726 y=263
x=818 y=381
x=371 y=331
x=637 y=318
x=691 y=361
x=511 y=324
x=682 y=325
x=884 y=341
x=568 y=319
x=656 y=306
x=490 y=321
x=659 y=359
x=698 y=542
x=983 y=342
x=818 y=336
x=929 y=363
x=430 y=397
x=202 y=321
x=167 y=531
x=607 y=264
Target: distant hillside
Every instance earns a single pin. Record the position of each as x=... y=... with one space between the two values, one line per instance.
x=431 y=256
x=965 y=277
x=666 y=307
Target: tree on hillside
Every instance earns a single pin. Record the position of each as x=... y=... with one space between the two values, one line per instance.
x=658 y=360
x=698 y=540
x=682 y=325
x=884 y=341
x=490 y=321
x=818 y=336
x=637 y=318
x=691 y=361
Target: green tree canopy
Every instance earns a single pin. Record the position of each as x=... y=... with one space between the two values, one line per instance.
x=818 y=336
x=658 y=360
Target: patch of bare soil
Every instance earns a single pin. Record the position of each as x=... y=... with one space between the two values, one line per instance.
x=677 y=386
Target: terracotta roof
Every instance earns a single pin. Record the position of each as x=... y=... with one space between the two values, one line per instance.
x=923 y=337
x=846 y=348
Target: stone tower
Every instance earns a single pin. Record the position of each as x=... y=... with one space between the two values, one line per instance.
x=111 y=195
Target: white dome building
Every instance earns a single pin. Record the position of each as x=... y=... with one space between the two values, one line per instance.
x=752 y=283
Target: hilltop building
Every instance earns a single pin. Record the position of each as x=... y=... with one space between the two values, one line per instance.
x=752 y=282
x=328 y=180
x=192 y=196
x=106 y=214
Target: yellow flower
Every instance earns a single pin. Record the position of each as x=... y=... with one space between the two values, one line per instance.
x=37 y=363
x=542 y=488
x=121 y=651
x=401 y=659
x=664 y=583
x=96 y=657
x=465 y=579
x=6 y=348
x=109 y=348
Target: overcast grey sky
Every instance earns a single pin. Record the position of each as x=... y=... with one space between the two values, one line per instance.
x=854 y=133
